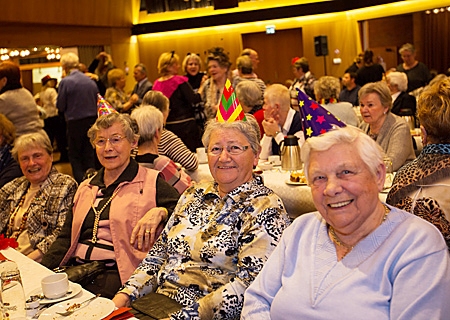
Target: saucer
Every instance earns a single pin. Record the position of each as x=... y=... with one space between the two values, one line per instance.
x=74 y=289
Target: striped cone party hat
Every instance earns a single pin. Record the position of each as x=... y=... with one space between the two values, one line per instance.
x=315 y=118
x=103 y=106
x=230 y=109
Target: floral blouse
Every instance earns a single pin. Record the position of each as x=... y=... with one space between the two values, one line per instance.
x=116 y=98
x=212 y=249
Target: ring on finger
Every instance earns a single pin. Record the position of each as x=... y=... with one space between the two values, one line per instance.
x=147 y=231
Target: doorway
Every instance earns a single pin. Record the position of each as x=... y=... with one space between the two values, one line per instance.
x=275 y=53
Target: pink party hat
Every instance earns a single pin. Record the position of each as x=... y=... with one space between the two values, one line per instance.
x=103 y=106
x=230 y=109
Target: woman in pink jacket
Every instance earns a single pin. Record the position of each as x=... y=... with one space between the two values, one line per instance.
x=108 y=219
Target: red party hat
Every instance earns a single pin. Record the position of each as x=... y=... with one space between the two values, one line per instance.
x=103 y=106
x=315 y=118
x=230 y=109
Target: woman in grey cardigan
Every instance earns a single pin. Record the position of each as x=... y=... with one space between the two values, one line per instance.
x=388 y=130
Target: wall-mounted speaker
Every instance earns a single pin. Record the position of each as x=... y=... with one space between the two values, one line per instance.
x=225 y=4
x=321 y=45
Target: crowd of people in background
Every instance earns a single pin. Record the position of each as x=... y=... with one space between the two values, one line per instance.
x=131 y=202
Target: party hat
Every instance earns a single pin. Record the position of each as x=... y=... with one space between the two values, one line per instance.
x=315 y=118
x=230 y=109
x=103 y=106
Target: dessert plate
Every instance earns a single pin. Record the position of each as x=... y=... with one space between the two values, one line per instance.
x=96 y=309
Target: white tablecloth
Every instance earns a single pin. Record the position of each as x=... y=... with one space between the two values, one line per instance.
x=297 y=199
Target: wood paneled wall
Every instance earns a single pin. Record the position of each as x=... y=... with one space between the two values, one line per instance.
x=108 y=13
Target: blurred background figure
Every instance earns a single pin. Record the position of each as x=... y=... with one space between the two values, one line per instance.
x=218 y=65
x=249 y=95
x=417 y=72
x=170 y=144
x=116 y=95
x=370 y=71
x=358 y=62
x=326 y=90
x=391 y=132
x=150 y=123
x=356 y=257
x=33 y=208
x=77 y=99
x=421 y=186
x=403 y=105
x=349 y=92
x=9 y=168
x=54 y=123
x=192 y=66
x=143 y=85
x=100 y=66
x=181 y=119
x=16 y=102
x=245 y=72
x=254 y=57
x=304 y=80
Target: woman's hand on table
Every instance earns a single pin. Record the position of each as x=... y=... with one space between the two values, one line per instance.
x=148 y=228
x=121 y=300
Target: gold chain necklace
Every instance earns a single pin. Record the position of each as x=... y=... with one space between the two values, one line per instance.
x=98 y=213
x=348 y=247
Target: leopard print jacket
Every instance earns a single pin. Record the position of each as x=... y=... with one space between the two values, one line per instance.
x=431 y=165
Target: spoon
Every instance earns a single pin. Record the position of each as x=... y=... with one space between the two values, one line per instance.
x=77 y=306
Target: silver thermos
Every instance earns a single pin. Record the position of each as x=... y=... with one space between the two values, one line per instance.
x=290 y=154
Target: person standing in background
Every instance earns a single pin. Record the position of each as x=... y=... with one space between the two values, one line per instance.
x=304 y=80
x=52 y=123
x=77 y=99
x=370 y=71
x=417 y=72
x=16 y=102
x=142 y=86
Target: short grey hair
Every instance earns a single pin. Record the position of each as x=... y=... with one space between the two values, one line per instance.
x=367 y=149
x=149 y=120
x=277 y=93
x=129 y=126
x=69 y=60
x=327 y=87
x=407 y=47
x=381 y=89
x=249 y=93
x=156 y=99
x=398 y=79
x=30 y=140
x=250 y=129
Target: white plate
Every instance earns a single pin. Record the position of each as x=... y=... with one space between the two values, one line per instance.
x=296 y=183
x=96 y=309
x=74 y=289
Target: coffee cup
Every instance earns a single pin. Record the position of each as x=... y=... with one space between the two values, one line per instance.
x=55 y=286
x=201 y=155
x=275 y=160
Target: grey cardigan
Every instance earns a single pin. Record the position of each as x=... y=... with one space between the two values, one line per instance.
x=395 y=139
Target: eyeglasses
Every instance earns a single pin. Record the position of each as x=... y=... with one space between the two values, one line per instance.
x=233 y=150
x=114 y=140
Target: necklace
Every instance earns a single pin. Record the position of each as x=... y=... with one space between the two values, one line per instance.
x=98 y=213
x=348 y=247
x=9 y=232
